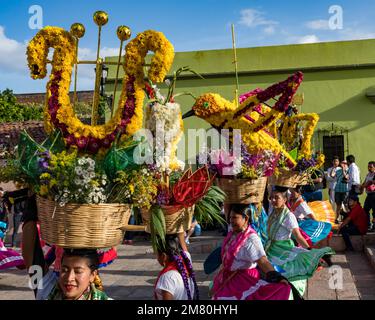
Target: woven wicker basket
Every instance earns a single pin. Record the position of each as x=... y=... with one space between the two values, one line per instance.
x=82 y=225
x=243 y=190
x=288 y=179
x=177 y=218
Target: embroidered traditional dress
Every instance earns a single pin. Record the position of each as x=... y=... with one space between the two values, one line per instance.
x=298 y=263
x=315 y=230
x=239 y=278
x=170 y=280
x=10 y=258
x=52 y=291
x=259 y=222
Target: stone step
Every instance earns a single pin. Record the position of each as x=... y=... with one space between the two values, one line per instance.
x=359 y=242
x=370 y=253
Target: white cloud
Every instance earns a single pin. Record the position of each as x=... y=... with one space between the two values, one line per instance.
x=357 y=34
x=318 y=25
x=13 y=61
x=12 y=54
x=269 y=30
x=308 y=39
x=253 y=18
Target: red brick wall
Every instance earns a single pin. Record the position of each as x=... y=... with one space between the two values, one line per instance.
x=83 y=96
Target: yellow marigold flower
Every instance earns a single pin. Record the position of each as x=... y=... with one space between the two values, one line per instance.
x=131 y=188
x=43 y=190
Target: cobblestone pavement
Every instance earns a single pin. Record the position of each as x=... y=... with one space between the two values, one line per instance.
x=134 y=273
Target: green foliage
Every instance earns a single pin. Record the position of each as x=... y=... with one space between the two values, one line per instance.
x=12 y=171
x=12 y=111
x=158 y=228
x=208 y=209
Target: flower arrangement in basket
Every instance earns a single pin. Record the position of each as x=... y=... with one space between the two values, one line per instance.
x=180 y=194
x=261 y=152
x=86 y=176
x=295 y=131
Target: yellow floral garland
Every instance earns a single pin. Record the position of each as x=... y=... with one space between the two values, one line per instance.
x=63 y=60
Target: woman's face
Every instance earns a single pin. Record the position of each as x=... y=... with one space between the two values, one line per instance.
x=237 y=221
x=352 y=203
x=278 y=200
x=294 y=193
x=162 y=258
x=371 y=168
x=75 y=277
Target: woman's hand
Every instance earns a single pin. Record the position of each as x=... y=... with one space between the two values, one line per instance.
x=265 y=265
x=301 y=240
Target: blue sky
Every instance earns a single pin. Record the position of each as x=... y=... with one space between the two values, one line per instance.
x=189 y=25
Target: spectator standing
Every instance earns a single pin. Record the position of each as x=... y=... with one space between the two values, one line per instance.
x=354 y=182
x=3 y=206
x=341 y=187
x=331 y=179
x=369 y=186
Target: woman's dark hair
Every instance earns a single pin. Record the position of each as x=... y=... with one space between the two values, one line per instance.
x=336 y=158
x=175 y=254
x=371 y=163
x=242 y=209
x=282 y=190
x=90 y=254
x=298 y=189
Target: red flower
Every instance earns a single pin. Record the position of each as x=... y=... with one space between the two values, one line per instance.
x=70 y=140
x=192 y=187
x=81 y=142
x=93 y=145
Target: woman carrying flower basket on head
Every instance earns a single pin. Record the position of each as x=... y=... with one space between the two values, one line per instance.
x=298 y=263
x=177 y=279
x=242 y=252
x=315 y=230
x=78 y=277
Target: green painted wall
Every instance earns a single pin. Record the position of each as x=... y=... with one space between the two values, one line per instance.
x=336 y=78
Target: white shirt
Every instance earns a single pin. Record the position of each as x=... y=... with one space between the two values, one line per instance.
x=251 y=251
x=172 y=282
x=285 y=231
x=354 y=175
x=302 y=211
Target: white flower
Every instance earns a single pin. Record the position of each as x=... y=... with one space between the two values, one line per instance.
x=81 y=161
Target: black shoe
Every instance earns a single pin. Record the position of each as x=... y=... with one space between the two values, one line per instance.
x=327 y=259
x=349 y=249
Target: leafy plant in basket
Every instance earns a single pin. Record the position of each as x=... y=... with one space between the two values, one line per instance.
x=173 y=214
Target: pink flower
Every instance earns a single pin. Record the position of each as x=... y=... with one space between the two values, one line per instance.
x=93 y=145
x=81 y=142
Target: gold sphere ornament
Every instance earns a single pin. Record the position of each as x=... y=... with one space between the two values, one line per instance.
x=100 y=18
x=78 y=30
x=123 y=33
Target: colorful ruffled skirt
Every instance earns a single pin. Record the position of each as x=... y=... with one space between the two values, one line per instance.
x=10 y=258
x=247 y=285
x=298 y=263
x=316 y=230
